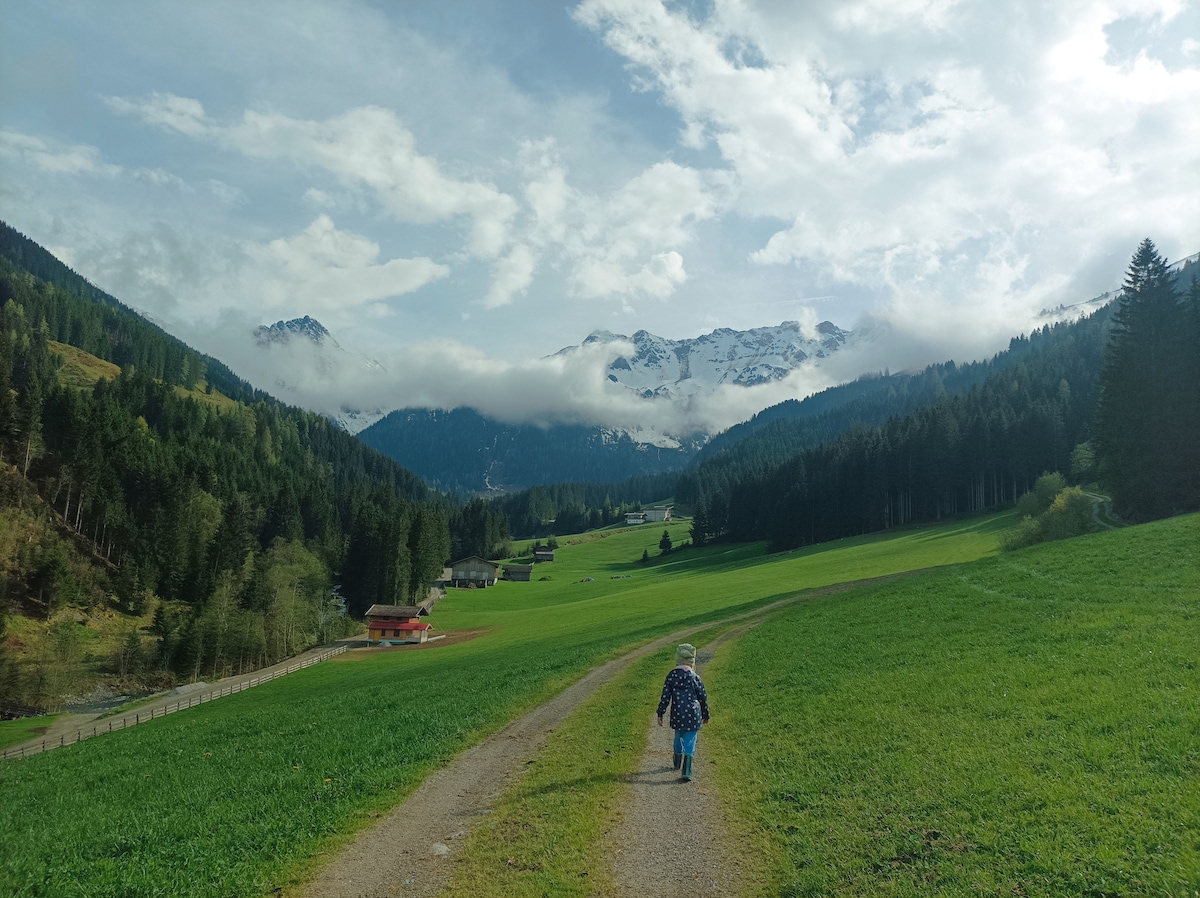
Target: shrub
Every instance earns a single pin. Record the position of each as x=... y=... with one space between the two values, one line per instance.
x=1039 y=499
x=1068 y=514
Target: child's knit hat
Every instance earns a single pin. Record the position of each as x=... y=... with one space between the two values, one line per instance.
x=686 y=654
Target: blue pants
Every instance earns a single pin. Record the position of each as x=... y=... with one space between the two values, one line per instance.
x=685 y=742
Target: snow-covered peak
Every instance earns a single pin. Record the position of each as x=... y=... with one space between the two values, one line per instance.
x=678 y=369
x=300 y=361
x=282 y=332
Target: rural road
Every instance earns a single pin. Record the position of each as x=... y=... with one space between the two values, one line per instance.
x=410 y=851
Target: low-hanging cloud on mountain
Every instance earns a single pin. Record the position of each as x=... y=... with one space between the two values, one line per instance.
x=570 y=387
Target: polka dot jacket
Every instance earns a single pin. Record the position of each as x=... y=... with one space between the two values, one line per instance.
x=684 y=692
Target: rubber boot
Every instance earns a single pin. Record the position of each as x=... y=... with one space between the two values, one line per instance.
x=676 y=760
x=687 y=768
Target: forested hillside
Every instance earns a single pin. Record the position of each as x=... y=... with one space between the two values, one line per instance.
x=229 y=514
x=571 y=507
x=784 y=429
x=988 y=445
x=462 y=451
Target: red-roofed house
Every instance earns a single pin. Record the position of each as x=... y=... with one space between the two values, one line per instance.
x=397 y=623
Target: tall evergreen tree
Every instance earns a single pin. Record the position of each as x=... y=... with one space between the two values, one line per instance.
x=1143 y=423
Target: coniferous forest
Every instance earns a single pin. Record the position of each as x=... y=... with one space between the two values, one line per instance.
x=1114 y=397
x=163 y=482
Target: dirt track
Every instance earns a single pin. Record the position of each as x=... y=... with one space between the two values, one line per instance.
x=411 y=851
x=671 y=842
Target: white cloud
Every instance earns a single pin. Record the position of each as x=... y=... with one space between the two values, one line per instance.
x=626 y=242
x=367 y=147
x=181 y=114
x=324 y=268
x=55 y=159
x=511 y=275
x=930 y=151
x=185 y=278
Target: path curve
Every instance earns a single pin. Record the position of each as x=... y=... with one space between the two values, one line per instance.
x=411 y=850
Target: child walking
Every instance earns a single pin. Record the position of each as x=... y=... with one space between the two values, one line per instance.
x=684 y=692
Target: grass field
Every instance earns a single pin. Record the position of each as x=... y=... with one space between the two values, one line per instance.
x=243 y=792
x=1025 y=725
x=14 y=732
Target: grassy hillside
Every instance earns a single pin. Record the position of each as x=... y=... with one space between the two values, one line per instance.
x=81 y=369
x=244 y=790
x=1026 y=725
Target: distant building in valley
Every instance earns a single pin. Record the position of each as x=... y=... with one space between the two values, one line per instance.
x=519 y=573
x=657 y=512
x=473 y=572
x=542 y=553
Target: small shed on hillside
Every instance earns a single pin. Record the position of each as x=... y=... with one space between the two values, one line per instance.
x=519 y=573
x=658 y=512
x=472 y=572
x=635 y=517
x=397 y=623
x=542 y=553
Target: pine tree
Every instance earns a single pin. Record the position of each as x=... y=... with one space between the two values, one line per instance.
x=1142 y=420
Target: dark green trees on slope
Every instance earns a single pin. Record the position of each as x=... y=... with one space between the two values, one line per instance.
x=185 y=484
x=1147 y=429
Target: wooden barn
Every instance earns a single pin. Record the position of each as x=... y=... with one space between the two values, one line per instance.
x=473 y=572
x=519 y=573
x=658 y=512
x=542 y=553
x=635 y=517
x=397 y=623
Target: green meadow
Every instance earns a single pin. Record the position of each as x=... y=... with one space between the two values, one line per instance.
x=1027 y=724
x=1024 y=725
x=234 y=798
x=1016 y=724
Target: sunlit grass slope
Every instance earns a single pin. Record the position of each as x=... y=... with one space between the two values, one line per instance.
x=231 y=798
x=1025 y=725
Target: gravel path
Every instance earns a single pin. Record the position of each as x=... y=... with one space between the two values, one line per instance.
x=411 y=850
x=671 y=842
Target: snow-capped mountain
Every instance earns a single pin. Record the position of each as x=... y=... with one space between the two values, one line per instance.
x=305 y=364
x=681 y=369
x=282 y=332
x=314 y=360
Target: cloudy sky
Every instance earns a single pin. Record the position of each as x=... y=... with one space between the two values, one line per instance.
x=490 y=181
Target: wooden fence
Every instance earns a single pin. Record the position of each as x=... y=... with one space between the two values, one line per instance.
x=128 y=720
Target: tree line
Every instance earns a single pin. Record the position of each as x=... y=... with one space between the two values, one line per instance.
x=572 y=507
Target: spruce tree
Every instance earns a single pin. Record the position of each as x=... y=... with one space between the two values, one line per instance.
x=1142 y=419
